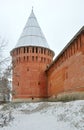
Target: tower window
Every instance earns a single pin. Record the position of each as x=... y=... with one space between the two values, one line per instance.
x=27 y=49
x=18 y=83
x=44 y=51
x=36 y=50
x=77 y=44
x=39 y=83
x=27 y=58
x=74 y=48
x=19 y=50
x=41 y=50
x=80 y=41
x=32 y=98
x=27 y=69
x=24 y=49
x=33 y=49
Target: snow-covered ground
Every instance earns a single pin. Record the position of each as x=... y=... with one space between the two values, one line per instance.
x=45 y=116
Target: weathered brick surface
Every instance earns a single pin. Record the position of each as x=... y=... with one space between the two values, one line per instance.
x=66 y=74
x=29 y=65
x=34 y=78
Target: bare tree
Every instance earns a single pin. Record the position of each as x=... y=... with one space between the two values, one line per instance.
x=3 y=59
x=5 y=85
x=4 y=73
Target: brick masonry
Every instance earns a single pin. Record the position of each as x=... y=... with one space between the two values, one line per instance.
x=36 y=75
x=29 y=77
x=66 y=74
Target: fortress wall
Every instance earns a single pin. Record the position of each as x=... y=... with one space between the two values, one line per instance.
x=66 y=73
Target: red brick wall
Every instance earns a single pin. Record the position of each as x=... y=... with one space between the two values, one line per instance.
x=29 y=65
x=67 y=71
x=65 y=74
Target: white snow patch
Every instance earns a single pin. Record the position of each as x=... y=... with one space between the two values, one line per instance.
x=48 y=116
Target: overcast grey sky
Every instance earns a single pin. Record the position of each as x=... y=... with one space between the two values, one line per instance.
x=59 y=20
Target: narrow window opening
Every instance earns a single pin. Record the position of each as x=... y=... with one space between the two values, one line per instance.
x=19 y=59
x=32 y=98
x=27 y=58
x=33 y=50
x=27 y=49
x=19 y=50
x=36 y=50
x=27 y=69
x=24 y=49
x=18 y=83
x=24 y=58
x=41 y=50
x=39 y=83
x=80 y=41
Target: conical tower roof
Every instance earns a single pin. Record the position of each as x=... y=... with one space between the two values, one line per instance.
x=32 y=34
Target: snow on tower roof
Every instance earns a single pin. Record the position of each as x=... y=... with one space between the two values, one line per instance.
x=32 y=34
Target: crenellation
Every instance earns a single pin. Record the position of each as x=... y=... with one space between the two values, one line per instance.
x=37 y=75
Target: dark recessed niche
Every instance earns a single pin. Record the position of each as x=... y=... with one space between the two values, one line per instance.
x=18 y=83
x=39 y=83
x=27 y=69
x=32 y=98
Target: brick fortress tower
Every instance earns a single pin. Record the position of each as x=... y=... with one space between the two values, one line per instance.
x=30 y=58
